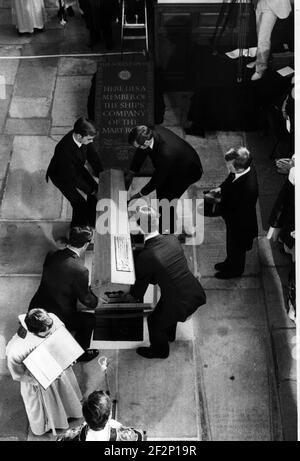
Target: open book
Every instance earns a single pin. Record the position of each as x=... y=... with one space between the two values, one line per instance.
x=54 y=355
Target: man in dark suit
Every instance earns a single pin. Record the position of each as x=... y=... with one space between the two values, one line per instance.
x=99 y=15
x=67 y=170
x=238 y=197
x=177 y=164
x=162 y=262
x=65 y=281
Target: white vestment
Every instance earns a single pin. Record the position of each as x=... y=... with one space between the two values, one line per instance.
x=267 y=12
x=46 y=409
x=28 y=15
x=281 y=8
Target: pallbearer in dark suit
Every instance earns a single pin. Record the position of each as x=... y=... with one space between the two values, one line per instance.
x=177 y=164
x=162 y=262
x=67 y=170
x=65 y=281
x=238 y=197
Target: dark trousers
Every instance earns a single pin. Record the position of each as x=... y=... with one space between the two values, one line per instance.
x=159 y=335
x=98 y=18
x=172 y=190
x=236 y=254
x=84 y=211
x=83 y=325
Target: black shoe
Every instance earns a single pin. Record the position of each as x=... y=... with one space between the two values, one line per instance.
x=149 y=353
x=90 y=354
x=61 y=14
x=220 y=266
x=227 y=275
x=25 y=34
x=171 y=339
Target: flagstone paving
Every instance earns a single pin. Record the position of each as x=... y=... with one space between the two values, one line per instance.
x=234 y=376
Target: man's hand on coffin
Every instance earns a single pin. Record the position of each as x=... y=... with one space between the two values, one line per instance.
x=128 y=298
x=215 y=191
x=213 y=195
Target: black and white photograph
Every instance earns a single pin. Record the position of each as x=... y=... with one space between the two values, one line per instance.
x=147 y=223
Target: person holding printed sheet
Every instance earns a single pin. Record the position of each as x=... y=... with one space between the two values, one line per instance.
x=46 y=409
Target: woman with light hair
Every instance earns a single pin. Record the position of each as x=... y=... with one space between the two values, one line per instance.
x=28 y=15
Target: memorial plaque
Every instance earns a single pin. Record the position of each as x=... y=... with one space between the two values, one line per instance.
x=124 y=99
x=122 y=253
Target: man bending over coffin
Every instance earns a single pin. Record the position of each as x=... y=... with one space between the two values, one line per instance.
x=177 y=164
x=65 y=281
x=162 y=262
x=68 y=170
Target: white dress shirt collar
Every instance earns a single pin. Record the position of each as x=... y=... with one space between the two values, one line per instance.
x=238 y=175
x=75 y=250
x=151 y=235
x=76 y=142
x=151 y=143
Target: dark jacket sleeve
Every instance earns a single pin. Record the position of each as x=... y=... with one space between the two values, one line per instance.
x=240 y=203
x=83 y=291
x=94 y=159
x=143 y=274
x=84 y=181
x=65 y=171
x=155 y=182
x=139 y=157
x=226 y=180
x=159 y=176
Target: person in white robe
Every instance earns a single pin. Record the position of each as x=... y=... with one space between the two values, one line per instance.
x=46 y=409
x=267 y=12
x=28 y=15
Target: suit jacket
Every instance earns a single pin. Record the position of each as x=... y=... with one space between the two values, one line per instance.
x=238 y=207
x=65 y=280
x=281 y=8
x=175 y=162
x=66 y=167
x=162 y=262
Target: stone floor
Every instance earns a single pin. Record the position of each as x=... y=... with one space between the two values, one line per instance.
x=234 y=371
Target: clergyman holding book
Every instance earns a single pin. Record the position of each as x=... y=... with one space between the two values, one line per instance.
x=46 y=408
